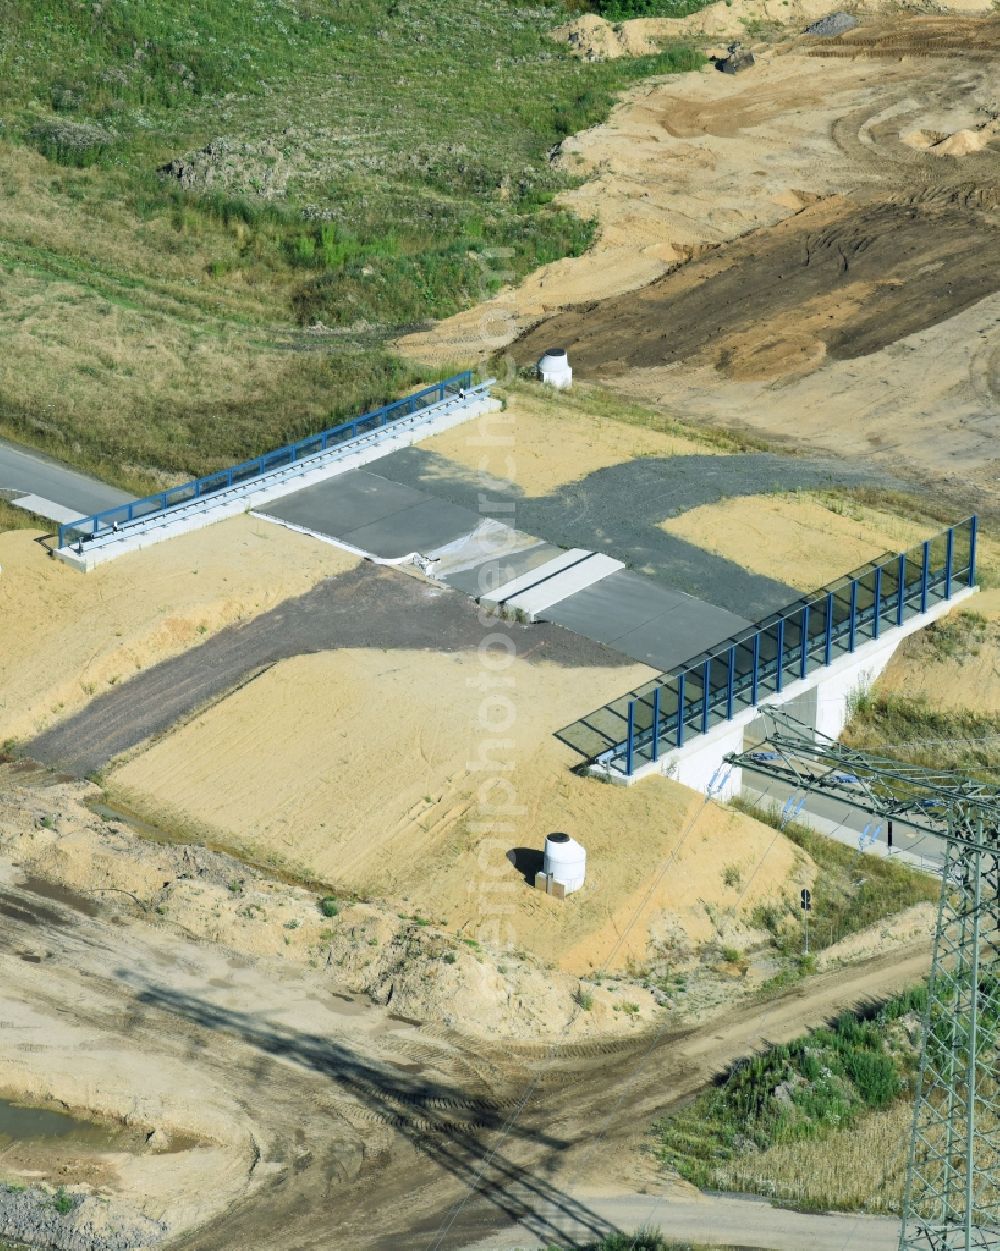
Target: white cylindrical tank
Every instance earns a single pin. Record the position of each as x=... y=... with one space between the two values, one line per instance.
x=566 y=860
x=554 y=368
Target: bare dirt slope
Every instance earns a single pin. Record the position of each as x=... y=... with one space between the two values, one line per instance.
x=306 y=1114
x=367 y=770
x=842 y=279
x=804 y=538
x=815 y=246
x=863 y=323
x=66 y=637
x=957 y=674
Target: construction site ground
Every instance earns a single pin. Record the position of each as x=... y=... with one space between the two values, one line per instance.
x=285 y=1109
x=800 y=251
x=805 y=252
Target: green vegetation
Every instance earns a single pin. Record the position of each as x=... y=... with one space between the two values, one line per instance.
x=622 y=10
x=911 y=728
x=12 y=518
x=329 y=906
x=591 y=400
x=584 y=999
x=64 y=1203
x=850 y=893
x=805 y=1090
x=218 y=215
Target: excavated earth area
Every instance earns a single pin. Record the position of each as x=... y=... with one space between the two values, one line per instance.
x=807 y=250
x=256 y=1085
x=810 y=250
x=865 y=320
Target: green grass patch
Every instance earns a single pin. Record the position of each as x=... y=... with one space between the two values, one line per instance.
x=218 y=215
x=623 y=10
x=590 y=400
x=851 y=892
x=803 y=1090
x=12 y=518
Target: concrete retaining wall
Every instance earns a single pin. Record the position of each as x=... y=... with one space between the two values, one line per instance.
x=821 y=700
x=286 y=481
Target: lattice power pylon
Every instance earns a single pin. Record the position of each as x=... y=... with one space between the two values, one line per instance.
x=951 y=1200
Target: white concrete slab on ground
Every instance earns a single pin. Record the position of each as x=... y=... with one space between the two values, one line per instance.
x=565 y=575
x=288 y=480
x=572 y=556
x=45 y=508
x=490 y=541
x=533 y=602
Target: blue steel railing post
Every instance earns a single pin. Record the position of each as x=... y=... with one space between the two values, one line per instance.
x=656 y=724
x=901 y=597
x=949 y=560
x=680 y=710
x=730 y=681
x=804 y=641
x=852 y=625
x=92 y=525
x=973 y=531
x=925 y=568
x=828 y=641
x=877 y=619
x=779 y=678
x=755 y=680
x=630 y=743
x=706 y=683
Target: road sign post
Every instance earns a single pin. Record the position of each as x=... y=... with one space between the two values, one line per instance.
x=805 y=902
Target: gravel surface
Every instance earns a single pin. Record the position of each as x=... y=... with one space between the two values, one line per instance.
x=31 y=1217
x=835 y=24
x=368 y=607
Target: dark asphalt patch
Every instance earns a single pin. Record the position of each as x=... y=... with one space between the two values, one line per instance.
x=618 y=510
x=646 y=621
x=369 y=607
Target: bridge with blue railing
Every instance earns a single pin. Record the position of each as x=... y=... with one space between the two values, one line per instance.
x=304 y=454
x=745 y=670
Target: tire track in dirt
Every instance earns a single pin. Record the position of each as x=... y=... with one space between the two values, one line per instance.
x=842 y=279
x=967 y=39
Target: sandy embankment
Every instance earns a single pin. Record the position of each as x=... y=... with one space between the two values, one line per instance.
x=687 y=165
x=967 y=679
x=681 y=165
x=798 y=538
x=65 y=637
x=361 y=768
x=547 y=440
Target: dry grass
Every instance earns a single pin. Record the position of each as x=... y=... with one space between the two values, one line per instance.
x=152 y=331
x=121 y=357
x=12 y=518
x=860 y=1168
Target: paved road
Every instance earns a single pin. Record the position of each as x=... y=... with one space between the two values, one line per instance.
x=368 y=607
x=619 y=510
x=838 y=819
x=744 y=1223
x=47 y=482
